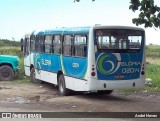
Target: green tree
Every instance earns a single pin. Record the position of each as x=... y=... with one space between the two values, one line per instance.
x=149 y=13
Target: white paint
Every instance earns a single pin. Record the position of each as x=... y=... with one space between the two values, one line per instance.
x=113 y=84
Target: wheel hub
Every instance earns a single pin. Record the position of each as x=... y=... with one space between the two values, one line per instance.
x=5 y=73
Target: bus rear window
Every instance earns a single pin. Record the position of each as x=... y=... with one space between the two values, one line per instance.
x=118 y=40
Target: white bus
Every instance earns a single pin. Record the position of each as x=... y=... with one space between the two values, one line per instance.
x=92 y=59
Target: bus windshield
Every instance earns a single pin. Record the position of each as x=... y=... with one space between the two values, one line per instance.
x=118 y=40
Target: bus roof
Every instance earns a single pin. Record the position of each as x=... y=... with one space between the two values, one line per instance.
x=117 y=27
x=63 y=30
x=80 y=30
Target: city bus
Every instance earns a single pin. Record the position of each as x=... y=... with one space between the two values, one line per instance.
x=88 y=59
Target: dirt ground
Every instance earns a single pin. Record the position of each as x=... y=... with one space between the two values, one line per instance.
x=45 y=98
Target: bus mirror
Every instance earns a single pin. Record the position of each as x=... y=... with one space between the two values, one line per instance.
x=21 y=44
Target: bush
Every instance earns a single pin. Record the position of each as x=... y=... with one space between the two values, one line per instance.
x=5 y=42
x=153 y=51
x=153 y=72
x=21 y=74
x=11 y=51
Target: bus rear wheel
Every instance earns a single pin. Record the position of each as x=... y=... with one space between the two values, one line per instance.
x=103 y=92
x=33 y=78
x=62 y=86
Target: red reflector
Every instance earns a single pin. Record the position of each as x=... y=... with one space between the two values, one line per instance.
x=142 y=73
x=93 y=73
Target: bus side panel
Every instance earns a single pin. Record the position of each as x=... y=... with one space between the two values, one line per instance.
x=53 y=69
x=75 y=67
x=47 y=66
x=79 y=84
x=32 y=59
x=55 y=63
x=27 y=70
x=42 y=62
x=49 y=77
x=75 y=70
x=37 y=65
x=27 y=65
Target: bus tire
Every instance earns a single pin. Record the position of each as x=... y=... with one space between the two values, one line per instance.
x=103 y=92
x=6 y=73
x=33 y=78
x=62 y=86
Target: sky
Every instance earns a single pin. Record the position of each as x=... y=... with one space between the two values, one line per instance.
x=19 y=17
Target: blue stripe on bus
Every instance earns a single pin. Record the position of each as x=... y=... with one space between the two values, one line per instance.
x=71 y=66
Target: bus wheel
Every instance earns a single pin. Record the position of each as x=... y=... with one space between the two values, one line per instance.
x=6 y=73
x=33 y=78
x=62 y=86
x=102 y=92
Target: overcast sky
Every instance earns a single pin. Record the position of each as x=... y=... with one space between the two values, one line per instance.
x=19 y=17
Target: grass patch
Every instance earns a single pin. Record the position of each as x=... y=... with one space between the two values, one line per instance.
x=153 y=72
x=153 y=51
x=21 y=74
x=153 y=60
x=11 y=51
x=145 y=89
x=5 y=42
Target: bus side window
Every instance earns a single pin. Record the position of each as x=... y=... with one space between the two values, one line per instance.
x=32 y=41
x=80 y=45
x=48 y=44
x=36 y=44
x=26 y=46
x=57 y=44
x=40 y=43
x=67 y=45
